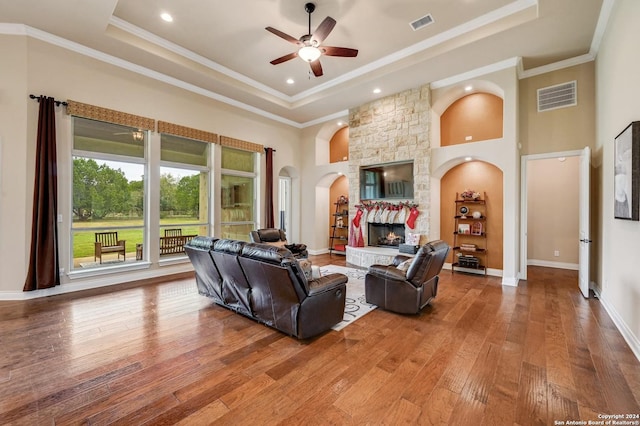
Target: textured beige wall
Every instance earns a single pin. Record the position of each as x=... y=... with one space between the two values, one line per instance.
x=14 y=181
x=40 y=68
x=618 y=241
x=562 y=129
x=552 y=214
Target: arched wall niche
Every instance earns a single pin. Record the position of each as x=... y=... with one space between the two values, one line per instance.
x=339 y=146
x=501 y=152
x=323 y=141
x=475 y=117
x=339 y=187
x=457 y=91
x=487 y=179
x=323 y=204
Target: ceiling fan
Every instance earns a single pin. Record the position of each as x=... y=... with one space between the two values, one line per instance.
x=310 y=45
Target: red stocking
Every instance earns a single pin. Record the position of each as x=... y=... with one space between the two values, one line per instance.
x=356 y=220
x=413 y=215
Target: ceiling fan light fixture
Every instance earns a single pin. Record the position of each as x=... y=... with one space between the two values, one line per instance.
x=309 y=53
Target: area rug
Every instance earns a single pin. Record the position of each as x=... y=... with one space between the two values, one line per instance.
x=355 y=306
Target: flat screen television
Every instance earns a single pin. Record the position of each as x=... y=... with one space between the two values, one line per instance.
x=387 y=181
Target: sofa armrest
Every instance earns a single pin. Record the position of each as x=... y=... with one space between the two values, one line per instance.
x=387 y=272
x=326 y=283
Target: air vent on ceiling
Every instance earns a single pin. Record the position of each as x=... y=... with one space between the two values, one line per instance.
x=558 y=96
x=422 y=22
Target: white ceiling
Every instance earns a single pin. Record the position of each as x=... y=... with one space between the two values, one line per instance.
x=222 y=50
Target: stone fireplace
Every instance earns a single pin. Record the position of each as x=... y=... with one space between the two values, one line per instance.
x=391 y=129
x=385 y=234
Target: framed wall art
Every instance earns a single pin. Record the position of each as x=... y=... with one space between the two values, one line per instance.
x=626 y=180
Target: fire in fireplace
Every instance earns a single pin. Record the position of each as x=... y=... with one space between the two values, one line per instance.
x=385 y=234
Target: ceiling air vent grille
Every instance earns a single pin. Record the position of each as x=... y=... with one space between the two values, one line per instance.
x=558 y=96
x=422 y=22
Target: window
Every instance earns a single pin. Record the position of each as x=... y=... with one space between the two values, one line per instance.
x=108 y=201
x=238 y=182
x=184 y=192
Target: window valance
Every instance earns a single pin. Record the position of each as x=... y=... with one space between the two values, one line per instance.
x=186 y=132
x=93 y=112
x=240 y=144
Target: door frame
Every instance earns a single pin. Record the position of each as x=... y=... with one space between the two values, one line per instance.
x=284 y=202
x=524 y=161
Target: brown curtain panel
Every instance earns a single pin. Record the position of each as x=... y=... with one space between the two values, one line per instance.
x=268 y=214
x=44 y=270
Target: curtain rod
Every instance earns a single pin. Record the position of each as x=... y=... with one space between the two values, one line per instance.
x=58 y=103
x=265 y=150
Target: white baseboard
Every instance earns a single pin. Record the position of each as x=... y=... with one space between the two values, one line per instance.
x=626 y=332
x=552 y=264
x=97 y=279
x=510 y=281
x=490 y=271
x=317 y=252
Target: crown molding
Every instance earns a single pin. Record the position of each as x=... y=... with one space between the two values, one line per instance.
x=577 y=60
x=335 y=116
x=473 y=25
x=601 y=26
x=19 y=29
x=475 y=73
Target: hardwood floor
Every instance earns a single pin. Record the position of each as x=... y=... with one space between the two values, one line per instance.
x=481 y=354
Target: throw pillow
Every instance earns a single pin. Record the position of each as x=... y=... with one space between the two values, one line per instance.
x=305 y=265
x=404 y=266
x=315 y=272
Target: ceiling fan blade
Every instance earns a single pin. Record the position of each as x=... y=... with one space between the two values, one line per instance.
x=316 y=68
x=287 y=37
x=323 y=30
x=339 y=51
x=284 y=58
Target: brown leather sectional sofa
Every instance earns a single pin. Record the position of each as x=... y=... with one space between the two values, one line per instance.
x=266 y=283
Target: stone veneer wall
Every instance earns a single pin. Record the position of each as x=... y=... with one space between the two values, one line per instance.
x=394 y=128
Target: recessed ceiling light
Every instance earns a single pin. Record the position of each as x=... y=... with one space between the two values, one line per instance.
x=340 y=123
x=166 y=17
x=376 y=90
x=468 y=158
x=290 y=81
x=468 y=88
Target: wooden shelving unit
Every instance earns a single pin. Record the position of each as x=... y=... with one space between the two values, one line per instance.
x=469 y=235
x=339 y=229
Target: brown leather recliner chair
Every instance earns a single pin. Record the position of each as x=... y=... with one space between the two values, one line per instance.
x=277 y=237
x=408 y=292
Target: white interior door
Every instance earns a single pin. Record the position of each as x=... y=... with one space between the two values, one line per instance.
x=584 y=225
